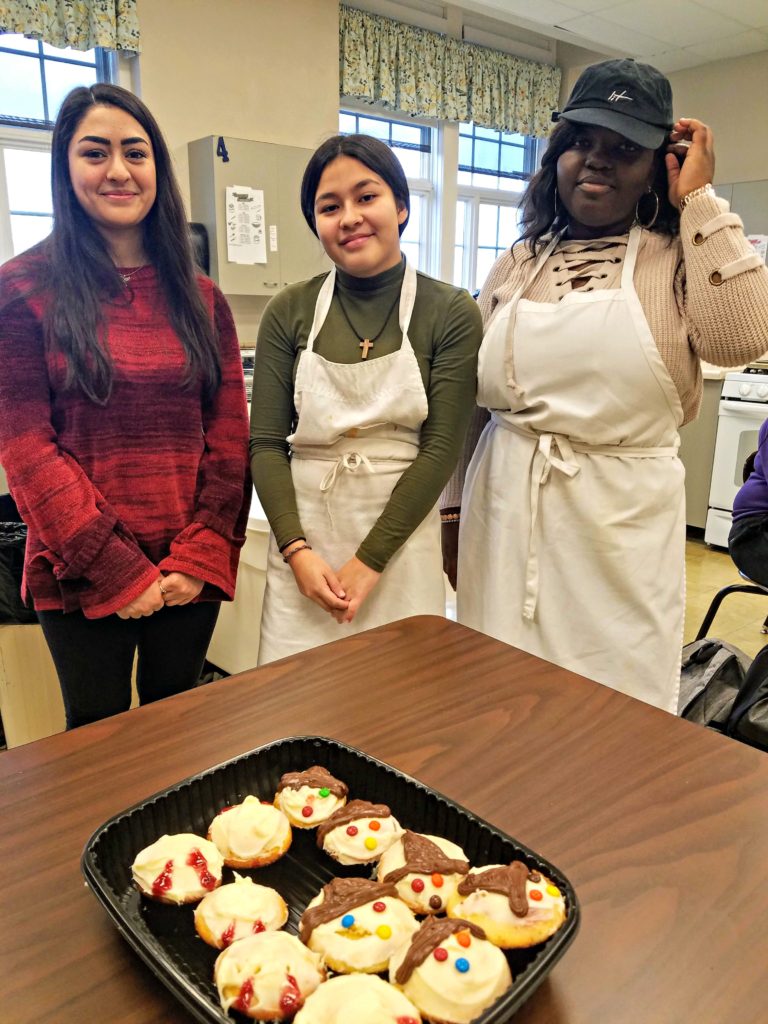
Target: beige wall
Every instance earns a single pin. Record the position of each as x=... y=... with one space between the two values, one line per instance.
x=253 y=69
x=732 y=97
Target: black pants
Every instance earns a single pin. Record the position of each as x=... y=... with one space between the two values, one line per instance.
x=748 y=545
x=94 y=657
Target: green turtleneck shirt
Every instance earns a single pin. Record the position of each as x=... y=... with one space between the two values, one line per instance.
x=445 y=333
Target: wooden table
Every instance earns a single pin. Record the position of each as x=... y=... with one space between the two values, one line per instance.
x=661 y=826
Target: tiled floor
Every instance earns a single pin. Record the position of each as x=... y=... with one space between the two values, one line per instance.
x=740 y=617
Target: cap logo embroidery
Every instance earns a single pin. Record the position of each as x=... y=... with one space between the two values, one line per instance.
x=619 y=96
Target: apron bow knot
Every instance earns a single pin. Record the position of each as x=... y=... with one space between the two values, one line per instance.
x=349 y=462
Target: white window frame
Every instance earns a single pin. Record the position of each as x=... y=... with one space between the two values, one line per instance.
x=474 y=196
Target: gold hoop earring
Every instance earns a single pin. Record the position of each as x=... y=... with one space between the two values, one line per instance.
x=652 y=221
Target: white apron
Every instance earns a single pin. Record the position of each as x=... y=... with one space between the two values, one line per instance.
x=358 y=430
x=572 y=540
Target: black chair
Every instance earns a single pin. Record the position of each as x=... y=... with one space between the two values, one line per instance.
x=747 y=587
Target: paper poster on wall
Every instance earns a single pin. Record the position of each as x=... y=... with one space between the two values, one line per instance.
x=246 y=238
x=760 y=243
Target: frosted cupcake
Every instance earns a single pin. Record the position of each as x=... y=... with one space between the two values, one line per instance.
x=180 y=868
x=251 y=834
x=425 y=869
x=237 y=910
x=309 y=797
x=358 y=833
x=357 y=999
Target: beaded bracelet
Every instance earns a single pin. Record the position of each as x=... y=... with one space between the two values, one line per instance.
x=450 y=517
x=300 y=547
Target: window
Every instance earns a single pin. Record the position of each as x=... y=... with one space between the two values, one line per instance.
x=412 y=145
x=493 y=171
x=34 y=79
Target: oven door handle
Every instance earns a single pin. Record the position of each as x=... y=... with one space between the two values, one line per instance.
x=743 y=409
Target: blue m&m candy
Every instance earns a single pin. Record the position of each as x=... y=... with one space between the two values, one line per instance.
x=347 y=921
x=462 y=965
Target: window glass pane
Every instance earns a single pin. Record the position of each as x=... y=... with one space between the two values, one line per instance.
x=410 y=160
x=369 y=126
x=486 y=133
x=28 y=231
x=507 y=225
x=347 y=123
x=61 y=79
x=512 y=159
x=487 y=156
x=461 y=215
x=28 y=174
x=69 y=54
x=516 y=185
x=485 y=260
x=17 y=42
x=406 y=133
x=465 y=151
x=21 y=92
x=486 y=224
x=518 y=140
x=464 y=177
x=458 y=266
x=412 y=253
x=412 y=231
x=485 y=180
x=464 y=128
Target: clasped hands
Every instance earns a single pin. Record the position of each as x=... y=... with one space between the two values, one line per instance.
x=339 y=593
x=173 y=590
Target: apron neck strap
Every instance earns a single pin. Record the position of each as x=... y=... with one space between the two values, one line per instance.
x=323 y=304
x=633 y=246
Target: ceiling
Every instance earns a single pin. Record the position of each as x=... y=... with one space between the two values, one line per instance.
x=670 y=34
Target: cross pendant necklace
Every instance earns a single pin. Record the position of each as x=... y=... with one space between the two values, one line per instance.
x=365 y=343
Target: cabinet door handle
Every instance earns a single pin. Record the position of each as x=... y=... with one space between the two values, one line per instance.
x=271 y=284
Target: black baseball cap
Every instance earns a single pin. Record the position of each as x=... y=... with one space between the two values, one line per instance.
x=630 y=98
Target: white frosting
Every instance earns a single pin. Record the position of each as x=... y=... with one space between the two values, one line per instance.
x=293 y=801
x=241 y=903
x=361 y=947
x=347 y=849
x=442 y=992
x=496 y=905
x=394 y=858
x=250 y=830
x=152 y=861
x=266 y=959
x=356 y=999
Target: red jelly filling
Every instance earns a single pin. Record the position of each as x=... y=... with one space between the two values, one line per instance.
x=243 y=1000
x=197 y=861
x=290 y=997
x=164 y=881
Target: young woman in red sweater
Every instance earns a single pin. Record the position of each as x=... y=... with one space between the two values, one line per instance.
x=123 y=423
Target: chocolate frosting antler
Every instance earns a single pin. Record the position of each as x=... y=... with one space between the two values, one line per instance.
x=316 y=777
x=350 y=812
x=341 y=895
x=432 y=932
x=508 y=881
x=423 y=857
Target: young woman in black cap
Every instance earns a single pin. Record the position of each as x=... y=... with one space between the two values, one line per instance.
x=629 y=270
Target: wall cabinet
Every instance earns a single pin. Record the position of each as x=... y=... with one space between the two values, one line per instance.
x=292 y=251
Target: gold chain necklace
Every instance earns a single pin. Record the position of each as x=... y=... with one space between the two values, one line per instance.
x=366 y=343
x=127 y=277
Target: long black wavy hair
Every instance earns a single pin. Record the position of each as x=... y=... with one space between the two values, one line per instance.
x=370 y=151
x=542 y=214
x=79 y=275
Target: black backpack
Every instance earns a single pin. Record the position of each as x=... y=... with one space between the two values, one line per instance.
x=722 y=689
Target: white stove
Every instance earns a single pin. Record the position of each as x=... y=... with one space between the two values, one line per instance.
x=748 y=385
x=742 y=411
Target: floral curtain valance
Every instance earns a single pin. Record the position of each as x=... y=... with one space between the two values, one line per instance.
x=81 y=24
x=430 y=75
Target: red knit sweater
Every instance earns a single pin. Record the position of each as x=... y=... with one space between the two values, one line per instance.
x=155 y=480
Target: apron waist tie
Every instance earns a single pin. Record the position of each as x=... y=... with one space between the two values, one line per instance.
x=349 y=462
x=556 y=452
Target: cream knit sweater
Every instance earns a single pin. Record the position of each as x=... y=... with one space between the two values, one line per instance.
x=690 y=315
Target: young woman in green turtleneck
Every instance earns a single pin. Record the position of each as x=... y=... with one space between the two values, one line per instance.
x=363 y=387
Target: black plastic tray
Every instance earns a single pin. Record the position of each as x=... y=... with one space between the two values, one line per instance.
x=164 y=936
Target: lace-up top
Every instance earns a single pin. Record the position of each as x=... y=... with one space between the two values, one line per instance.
x=585 y=265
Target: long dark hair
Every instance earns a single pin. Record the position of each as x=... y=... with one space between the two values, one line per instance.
x=369 y=151
x=79 y=274
x=542 y=214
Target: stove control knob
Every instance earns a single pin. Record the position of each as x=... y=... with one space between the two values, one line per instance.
x=745 y=389
x=762 y=391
